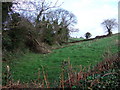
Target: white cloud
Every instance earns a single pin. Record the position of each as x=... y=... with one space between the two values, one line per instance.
x=90 y=14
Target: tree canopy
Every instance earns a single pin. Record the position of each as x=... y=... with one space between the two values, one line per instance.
x=88 y=35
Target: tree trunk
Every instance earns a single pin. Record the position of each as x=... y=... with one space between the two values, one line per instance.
x=109 y=32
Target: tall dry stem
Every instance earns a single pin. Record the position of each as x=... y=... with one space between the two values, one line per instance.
x=45 y=77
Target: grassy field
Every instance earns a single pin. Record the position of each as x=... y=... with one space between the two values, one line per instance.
x=86 y=53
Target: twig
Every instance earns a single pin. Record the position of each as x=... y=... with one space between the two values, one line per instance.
x=108 y=74
x=45 y=78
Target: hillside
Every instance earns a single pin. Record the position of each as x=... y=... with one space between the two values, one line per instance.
x=86 y=53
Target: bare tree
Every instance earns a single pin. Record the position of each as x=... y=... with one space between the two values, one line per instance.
x=109 y=24
x=34 y=9
x=62 y=22
x=63 y=17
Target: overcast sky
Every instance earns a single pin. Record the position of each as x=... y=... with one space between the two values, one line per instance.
x=91 y=13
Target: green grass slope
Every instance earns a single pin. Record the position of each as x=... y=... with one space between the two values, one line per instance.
x=26 y=67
